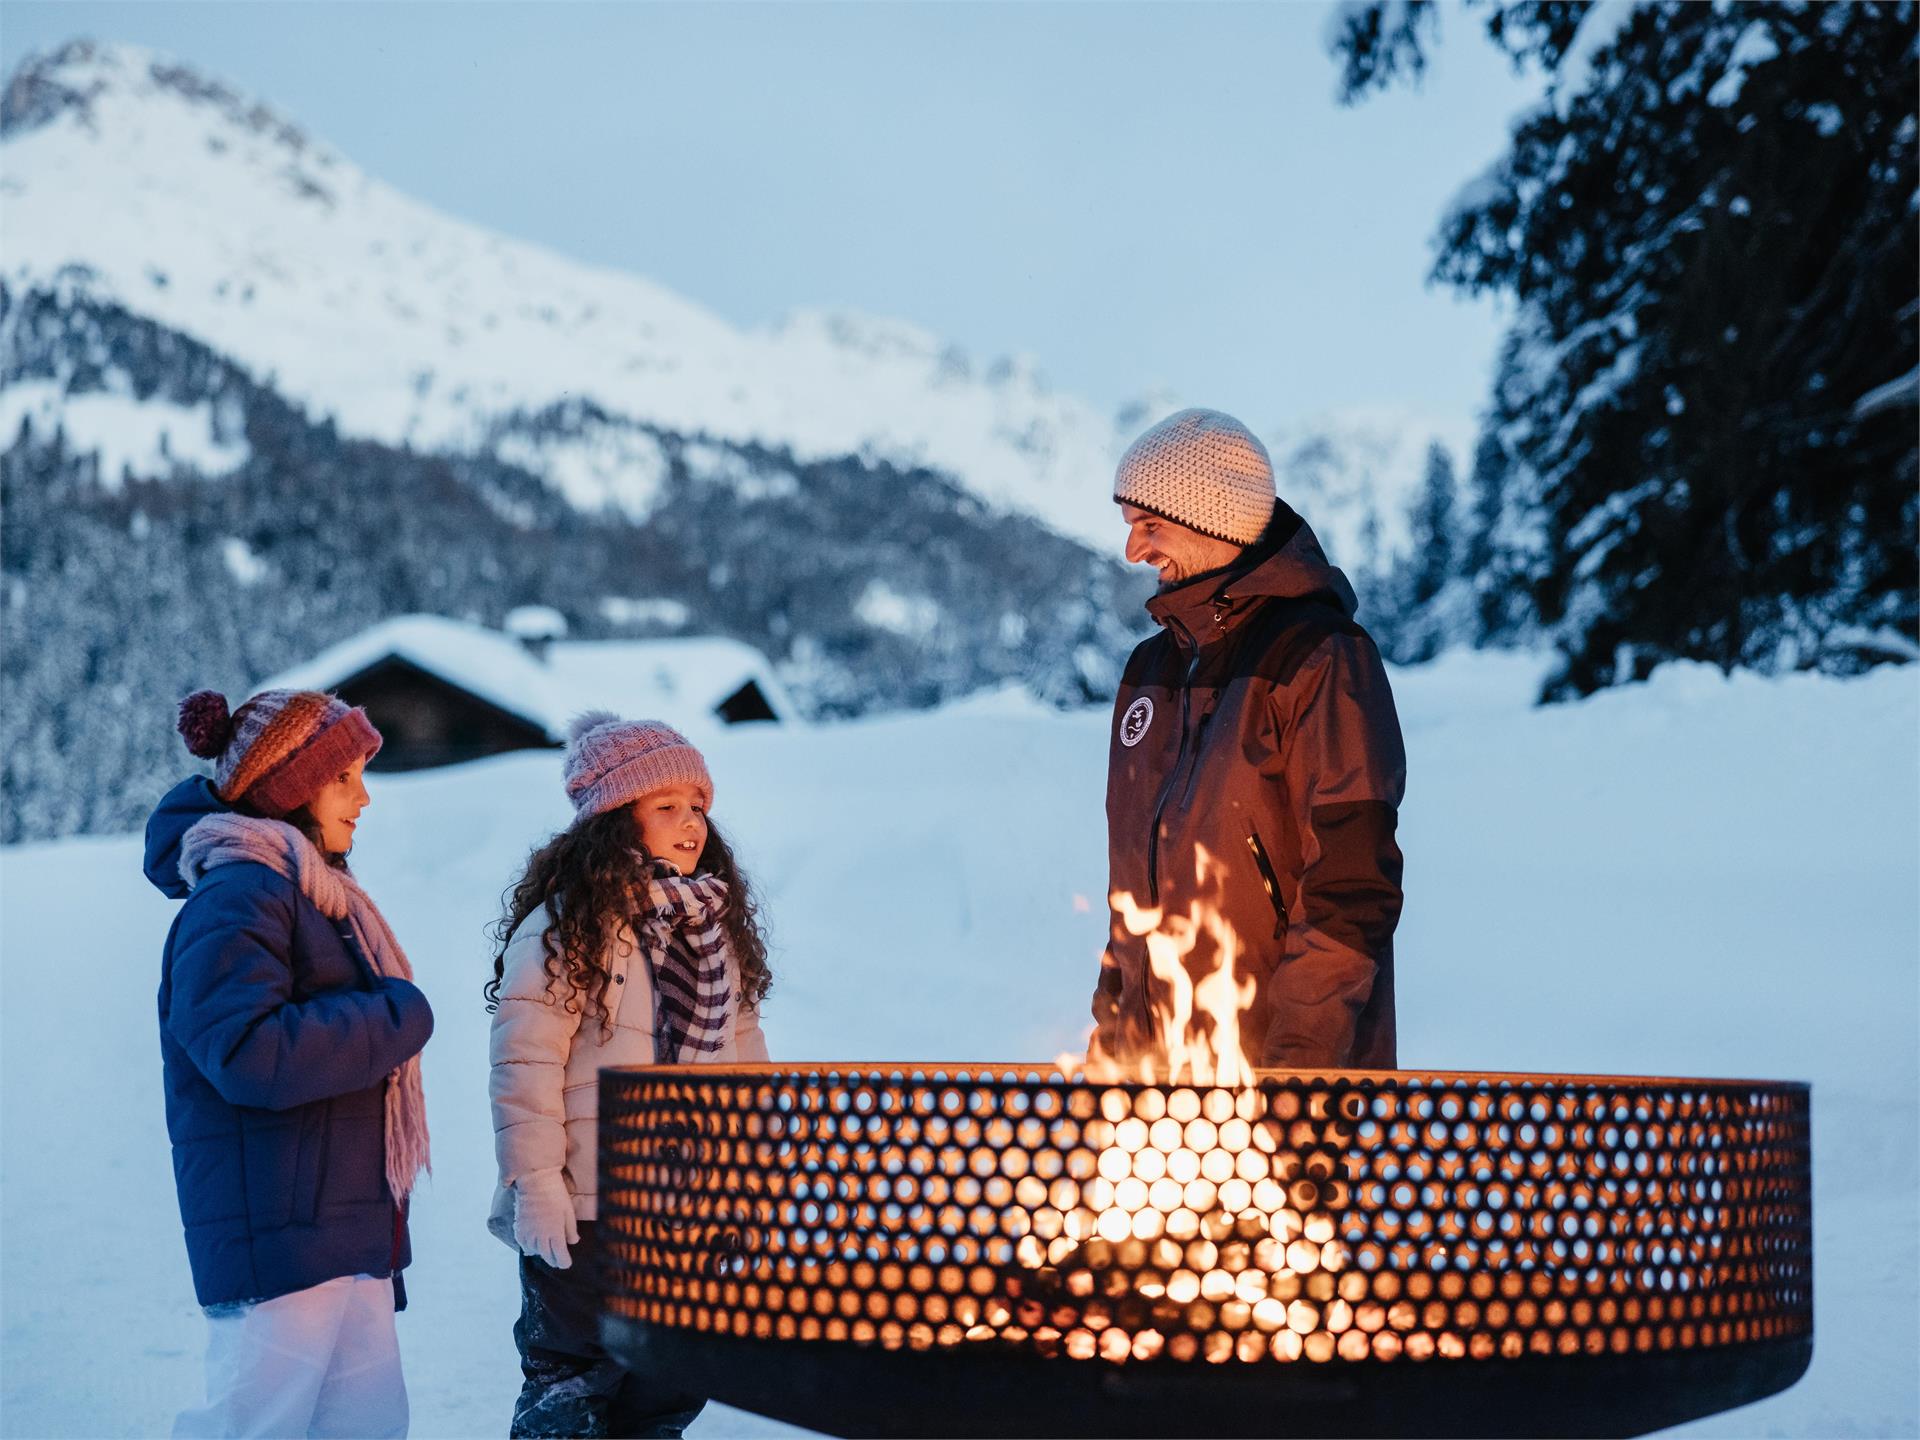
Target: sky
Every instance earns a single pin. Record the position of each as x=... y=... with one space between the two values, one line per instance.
x=1140 y=197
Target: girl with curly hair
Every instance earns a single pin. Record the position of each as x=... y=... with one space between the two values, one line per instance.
x=630 y=939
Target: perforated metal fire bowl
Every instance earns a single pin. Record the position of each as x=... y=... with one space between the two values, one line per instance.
x=1004 y=1250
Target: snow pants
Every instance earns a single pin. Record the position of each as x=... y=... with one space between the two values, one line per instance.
x=321 y=1361
x=572 y=1386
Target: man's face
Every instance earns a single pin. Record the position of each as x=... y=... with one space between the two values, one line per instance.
x=1171 y=548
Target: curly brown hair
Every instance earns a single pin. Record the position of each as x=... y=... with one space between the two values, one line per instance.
x=584 y=878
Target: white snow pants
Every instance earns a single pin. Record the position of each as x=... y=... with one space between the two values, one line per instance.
x=321 y=1361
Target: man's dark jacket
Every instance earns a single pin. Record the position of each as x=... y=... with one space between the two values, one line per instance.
x=1256 y=767
x=276 y=1038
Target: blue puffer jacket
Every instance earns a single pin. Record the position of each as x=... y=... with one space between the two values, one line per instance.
x=276 y=1038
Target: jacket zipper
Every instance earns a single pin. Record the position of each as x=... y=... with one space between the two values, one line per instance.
x=1179 y=760
x=1268 y=879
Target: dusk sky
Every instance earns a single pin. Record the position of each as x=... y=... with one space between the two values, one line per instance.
x=1134 y=195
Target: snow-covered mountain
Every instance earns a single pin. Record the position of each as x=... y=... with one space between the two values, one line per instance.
x=130 y=178
x=231 y=362
x=230 y=224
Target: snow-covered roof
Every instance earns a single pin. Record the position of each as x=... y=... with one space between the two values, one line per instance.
x=678 y=680
x=666 y=678
x=534 y=622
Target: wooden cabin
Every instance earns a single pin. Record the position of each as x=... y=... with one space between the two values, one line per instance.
x=443 y=692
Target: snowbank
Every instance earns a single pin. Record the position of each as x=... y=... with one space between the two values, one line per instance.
x=1697 y=875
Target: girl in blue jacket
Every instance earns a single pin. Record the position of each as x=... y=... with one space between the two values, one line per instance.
x=290 y=1032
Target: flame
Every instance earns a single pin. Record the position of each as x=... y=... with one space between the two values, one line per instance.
x=1202 y=1183
x=1199 y=1020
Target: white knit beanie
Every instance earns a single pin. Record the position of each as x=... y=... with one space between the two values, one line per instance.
x=1204 y=470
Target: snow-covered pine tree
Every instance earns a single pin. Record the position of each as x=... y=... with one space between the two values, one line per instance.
x=1432 y=593
x=1435 y=536
x=1703 y=422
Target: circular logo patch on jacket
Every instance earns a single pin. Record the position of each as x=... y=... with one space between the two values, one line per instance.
x=1133 y=724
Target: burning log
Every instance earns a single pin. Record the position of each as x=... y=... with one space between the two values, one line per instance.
x=1201 y=1232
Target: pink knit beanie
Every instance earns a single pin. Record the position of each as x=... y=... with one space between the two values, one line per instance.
x=279 y=750
x=612 y=762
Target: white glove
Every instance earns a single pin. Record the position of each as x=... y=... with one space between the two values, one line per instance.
x=543 y=1222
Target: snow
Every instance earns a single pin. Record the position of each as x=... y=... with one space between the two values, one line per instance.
x=885 y=608
x=1600 y=26
x=1899 y=391
x=484 y=662
x=143 y=438
x=680 y=680
x=1698 y=875
x=1755 y=46
x=605 y=467
x=241 y=561
x=534 y=622
x=1826 y=118
x=714 y=465
x=645 y=610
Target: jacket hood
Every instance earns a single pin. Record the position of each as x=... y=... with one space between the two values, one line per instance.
x=1285 y=562
x=178 y=811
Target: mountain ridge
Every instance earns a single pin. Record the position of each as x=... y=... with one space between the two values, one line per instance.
x=413 y=327
x=236 y=432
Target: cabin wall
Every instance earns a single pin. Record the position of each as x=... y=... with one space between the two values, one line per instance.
x=425 y=722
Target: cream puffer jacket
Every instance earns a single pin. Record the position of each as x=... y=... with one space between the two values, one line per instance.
x=546 y=1061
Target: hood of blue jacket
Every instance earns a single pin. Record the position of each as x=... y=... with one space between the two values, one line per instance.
x=176 y=814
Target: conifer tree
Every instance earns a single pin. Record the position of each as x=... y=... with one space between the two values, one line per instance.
x=1435 y=539
x=1703 y=425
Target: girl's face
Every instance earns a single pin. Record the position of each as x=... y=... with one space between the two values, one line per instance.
x=337 y=808
x=673 y=825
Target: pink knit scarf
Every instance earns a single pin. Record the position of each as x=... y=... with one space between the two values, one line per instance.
x=219 y=840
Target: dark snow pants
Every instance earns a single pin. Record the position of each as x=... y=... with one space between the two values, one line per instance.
x=572 y=1386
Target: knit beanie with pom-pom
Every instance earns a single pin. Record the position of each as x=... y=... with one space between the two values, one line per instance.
x=612 y=762
x=279 y=750
x=1204 y=470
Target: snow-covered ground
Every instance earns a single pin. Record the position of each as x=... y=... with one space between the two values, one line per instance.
x=1697 y=875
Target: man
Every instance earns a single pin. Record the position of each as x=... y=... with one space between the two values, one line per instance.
x=1255 y=768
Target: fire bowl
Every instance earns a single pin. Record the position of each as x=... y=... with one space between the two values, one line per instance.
x=1010 y=1250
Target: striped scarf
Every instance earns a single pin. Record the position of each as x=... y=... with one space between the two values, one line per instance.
x=223 y=839
x=695 y=1000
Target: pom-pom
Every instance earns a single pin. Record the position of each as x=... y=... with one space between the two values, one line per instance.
x=205 y=724
x=589 y=720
